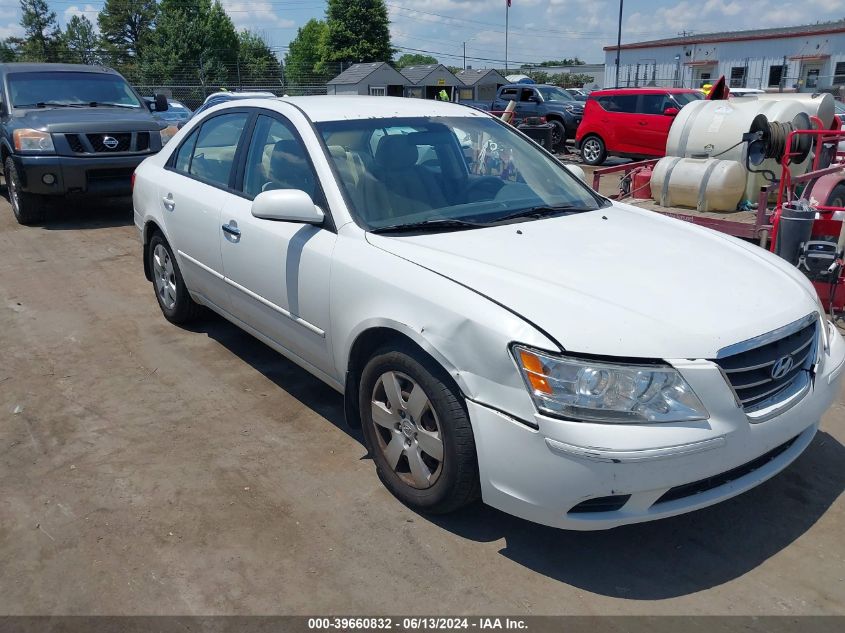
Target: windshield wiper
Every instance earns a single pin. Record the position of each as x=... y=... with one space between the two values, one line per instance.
x=542 y=211
x=50 y=104
x=431 y=224
x=108 y=104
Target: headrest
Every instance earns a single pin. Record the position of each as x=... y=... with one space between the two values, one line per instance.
x=396 y=152
x=337 y=151
x=288 y=146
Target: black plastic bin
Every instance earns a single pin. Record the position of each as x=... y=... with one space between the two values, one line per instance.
x=540 y=132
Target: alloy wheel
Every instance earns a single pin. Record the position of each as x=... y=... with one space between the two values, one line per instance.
x=407 y=429
x=591 y=150
x=164 y=277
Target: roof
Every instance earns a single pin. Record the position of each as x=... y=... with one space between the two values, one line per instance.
x=474 y=75
x=822 y=28
x=238 y=95
x=416 y=74
x=37 y=67
x=358 y=72
x=350 y=107
x=642 y=90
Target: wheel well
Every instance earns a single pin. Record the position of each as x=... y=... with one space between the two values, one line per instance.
x=150 y=229
x=4 y=154
x=363 y=349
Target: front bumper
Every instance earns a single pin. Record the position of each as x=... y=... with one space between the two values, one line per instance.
x=542 y=475
x=94 y=176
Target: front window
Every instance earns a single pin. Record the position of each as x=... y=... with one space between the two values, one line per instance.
x=550 y=93
x=42 y=89
x=469 y=171
x=683 y=98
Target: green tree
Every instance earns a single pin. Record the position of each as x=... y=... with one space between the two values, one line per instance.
x=257 y=64
x=303 y=57
x=192 y=41
x=8 y=50
x=81 y=41
x=415 y=59
x=356 y=31
x=42 y=36
x=126 y=27
x=574 y=61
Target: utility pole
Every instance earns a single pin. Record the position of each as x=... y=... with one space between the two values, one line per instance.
x=465 y=55
x=507 y=12
x=618 y=41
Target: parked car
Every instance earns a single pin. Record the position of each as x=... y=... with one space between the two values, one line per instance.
x=223 y=97
x=629 y=122
x=176 y=113
x=558 y=107
x=71 y=130
x=497 y=327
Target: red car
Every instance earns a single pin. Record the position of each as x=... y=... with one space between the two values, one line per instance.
x=629 y=122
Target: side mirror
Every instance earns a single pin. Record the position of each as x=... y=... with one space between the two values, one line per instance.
x=288 y=205
x=161 y=103
x=671 y=111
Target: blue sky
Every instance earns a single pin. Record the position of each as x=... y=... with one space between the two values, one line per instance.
x=539 y=29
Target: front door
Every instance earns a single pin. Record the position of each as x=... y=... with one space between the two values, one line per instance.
x=190 y=192
x=653 y=126
x=278 y=272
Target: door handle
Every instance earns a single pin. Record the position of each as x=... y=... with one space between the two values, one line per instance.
x=231 y=230
x=169 y=202
x=643 y=123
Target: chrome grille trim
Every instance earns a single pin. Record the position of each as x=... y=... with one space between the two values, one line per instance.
x=747 y=370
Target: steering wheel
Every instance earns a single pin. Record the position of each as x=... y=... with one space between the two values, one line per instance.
x=485 y=188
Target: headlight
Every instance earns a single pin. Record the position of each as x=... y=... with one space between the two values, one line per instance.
x=595 y=391
x=27 y=140
x=168 y=133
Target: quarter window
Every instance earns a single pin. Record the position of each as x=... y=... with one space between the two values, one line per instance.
x=214 y=153
x=277 y=159
x=183 y=155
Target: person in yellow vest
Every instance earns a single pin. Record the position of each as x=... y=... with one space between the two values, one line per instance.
x=443 y=95
x=706 y=88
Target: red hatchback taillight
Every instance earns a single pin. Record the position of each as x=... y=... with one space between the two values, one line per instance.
x=132 y=184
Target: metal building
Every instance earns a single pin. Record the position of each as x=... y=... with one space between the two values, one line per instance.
x=796 y=58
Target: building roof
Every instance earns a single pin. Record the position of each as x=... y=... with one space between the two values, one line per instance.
x=416 y=74
x=821 y=28
x=342 y=108
x=356 y=73
x=473 y=76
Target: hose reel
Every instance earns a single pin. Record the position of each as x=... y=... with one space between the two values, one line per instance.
x=767 y=139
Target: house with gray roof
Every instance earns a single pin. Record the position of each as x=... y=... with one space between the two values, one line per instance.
x=376 y=78
x=426 y=82
x=481 y=84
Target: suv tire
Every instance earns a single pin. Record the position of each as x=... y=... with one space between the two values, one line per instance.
x=417 y=431
x=593 y=150
x=28 y=208
x=558 y=134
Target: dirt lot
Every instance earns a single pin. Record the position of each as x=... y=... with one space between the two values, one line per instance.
x=148 y=469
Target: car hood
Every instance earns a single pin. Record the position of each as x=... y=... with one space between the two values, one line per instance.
x=99 y=119
x=620 y=281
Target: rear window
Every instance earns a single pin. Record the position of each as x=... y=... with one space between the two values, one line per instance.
x=618 y=103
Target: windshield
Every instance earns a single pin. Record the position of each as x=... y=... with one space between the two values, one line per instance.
x=683 y=98
x=472 y=169
x=550 y=93
x=70 y=88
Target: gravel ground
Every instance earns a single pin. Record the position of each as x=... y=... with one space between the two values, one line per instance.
x=148 y=469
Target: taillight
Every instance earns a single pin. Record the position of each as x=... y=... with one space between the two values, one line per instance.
x=543 y=120
x=133 y=181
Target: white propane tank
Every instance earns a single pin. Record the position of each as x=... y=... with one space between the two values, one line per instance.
x=704 y=184
x=715 y=128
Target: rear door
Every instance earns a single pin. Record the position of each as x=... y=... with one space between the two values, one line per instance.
x=654 y=125
x=620 y=121
x=191 y=191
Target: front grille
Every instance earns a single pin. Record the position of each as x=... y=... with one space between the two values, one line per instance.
x=124 y=142
x=703 y=485
x=756 y=374
x=601 y=504
x=142 y=142
x=75 y=143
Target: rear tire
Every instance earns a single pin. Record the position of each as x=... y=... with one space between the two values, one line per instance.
x=417 y=431
x=593 y=150
x=558 y=134
x=28 y=208
x=173 y=297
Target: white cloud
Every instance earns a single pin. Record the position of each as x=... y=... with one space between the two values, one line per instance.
x=255 y=15
x=89 y=11
x=12 y=29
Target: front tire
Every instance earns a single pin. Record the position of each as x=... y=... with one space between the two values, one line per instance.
x=417 y=430
x=593 y=150
x=172 y=294
x=28 y=208
x=558 y=134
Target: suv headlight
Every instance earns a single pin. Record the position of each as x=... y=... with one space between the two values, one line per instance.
x=168 y=133
x=28 y=140
x=595 y=391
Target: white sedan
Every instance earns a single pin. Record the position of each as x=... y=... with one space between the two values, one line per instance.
x=496 y=327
